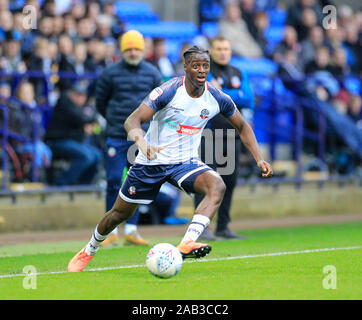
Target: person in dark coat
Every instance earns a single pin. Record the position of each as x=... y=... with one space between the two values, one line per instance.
x=235 y=83
x=66 y=134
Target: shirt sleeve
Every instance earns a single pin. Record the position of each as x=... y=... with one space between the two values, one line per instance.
x=162 y=95
x=227 y=106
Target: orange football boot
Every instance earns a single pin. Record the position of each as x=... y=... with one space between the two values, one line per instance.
x=79 y=261
x=135 y=239
x=192 y=249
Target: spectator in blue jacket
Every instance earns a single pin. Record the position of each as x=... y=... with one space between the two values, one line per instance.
x=235 y=83
x=120 y=90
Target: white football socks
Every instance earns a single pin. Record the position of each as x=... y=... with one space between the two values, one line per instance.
x=95 y=242
x=196 y=227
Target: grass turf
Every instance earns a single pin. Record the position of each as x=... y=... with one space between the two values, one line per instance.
x=294 y=276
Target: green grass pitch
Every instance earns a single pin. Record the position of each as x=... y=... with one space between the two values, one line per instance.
x=276 y=263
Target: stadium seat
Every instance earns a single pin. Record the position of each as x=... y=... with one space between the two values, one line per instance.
x=261 y=120
x=210 y=29
x=173 y=47
x=277 y=17
x=353 y=85
x=151 y=18
x=210 y=10
x=260 y=66
x=18 y=4
x=264 y=5
x=128 y=8
x=135 y=12
x=165 y=29
x=274 y=34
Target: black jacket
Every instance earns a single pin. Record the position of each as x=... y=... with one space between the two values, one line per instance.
x=67 y=121
x=120 y=90
x=225 y=75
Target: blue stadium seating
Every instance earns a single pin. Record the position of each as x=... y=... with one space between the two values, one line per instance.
x=277 y=17
x=274 y=34
x=261 y=66
x=265 y=5
x=129 y=8
x=18 y=4
x=353 y=85
x=210 y=10
x=261 y=121
x=165 y=29
x=135 y=11
x=173 y=47
x=210 y=29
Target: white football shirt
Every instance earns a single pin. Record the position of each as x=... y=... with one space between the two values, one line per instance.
x=179 y=120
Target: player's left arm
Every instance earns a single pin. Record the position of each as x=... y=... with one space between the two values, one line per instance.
x=247 y=136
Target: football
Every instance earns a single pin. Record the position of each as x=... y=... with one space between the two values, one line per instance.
x=164 y=260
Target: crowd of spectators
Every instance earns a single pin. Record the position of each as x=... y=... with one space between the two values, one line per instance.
x=82 y=37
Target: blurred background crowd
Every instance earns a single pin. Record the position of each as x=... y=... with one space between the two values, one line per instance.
x=74 y=40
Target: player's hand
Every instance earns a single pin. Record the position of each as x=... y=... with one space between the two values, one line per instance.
x=151 y=152
x=265 y=168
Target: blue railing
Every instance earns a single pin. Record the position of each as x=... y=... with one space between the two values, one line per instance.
x=273 y=103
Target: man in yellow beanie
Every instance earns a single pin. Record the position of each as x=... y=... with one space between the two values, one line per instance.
x=120 y=89
x=132 y=47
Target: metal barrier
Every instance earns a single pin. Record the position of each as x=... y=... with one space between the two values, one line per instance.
x=47 y=191
x=5 y=133
x=278 y=102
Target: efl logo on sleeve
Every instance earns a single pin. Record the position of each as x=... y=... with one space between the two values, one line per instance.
x=156 y=93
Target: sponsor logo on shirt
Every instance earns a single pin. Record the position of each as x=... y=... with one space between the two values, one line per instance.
x=176 y=109
x=180 y=128
x=172 y=125
x=188 y=130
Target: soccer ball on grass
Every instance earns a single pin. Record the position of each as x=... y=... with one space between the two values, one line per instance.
x=164 y=260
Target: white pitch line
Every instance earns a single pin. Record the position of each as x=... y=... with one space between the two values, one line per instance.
x=273 y=254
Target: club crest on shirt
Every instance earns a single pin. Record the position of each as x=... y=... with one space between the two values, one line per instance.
x=132 y=190
x=111 y=152
x=156 y=93
x=204 y=114
x=235 y=82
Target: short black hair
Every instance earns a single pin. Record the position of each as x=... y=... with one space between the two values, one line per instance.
x=193 y=50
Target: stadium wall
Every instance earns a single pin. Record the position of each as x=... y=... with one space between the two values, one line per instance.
x=85 y=210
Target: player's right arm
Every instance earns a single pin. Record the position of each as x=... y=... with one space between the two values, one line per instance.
x=133 y=127
x=155 y=101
